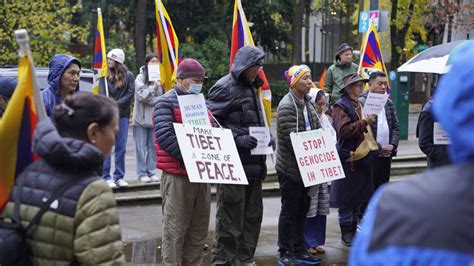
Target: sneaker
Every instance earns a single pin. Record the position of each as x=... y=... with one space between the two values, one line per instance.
x=286 y=259
x=111 y=183
x=122 y=183
x=144 y=179
x=308 y=259
x=154 y=178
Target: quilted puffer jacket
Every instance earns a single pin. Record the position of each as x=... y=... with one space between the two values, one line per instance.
x=82 y=226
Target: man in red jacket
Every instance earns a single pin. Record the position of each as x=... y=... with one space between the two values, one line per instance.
x=186 y=206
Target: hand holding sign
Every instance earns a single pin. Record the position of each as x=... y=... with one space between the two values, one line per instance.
x=153 y=72
x=262 y=134
x=374 y=103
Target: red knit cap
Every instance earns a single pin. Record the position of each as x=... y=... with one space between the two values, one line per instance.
x=190 y=67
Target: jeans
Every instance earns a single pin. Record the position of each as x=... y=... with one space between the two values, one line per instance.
x=119 y=150
x=348 y=215
x=145 y=150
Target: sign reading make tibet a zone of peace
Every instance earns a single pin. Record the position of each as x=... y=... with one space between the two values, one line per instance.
x=317 y=157
x=210 y=155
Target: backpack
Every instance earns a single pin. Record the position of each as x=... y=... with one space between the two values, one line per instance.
x=13 y=246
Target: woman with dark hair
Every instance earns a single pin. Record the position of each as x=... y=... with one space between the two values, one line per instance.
x=146 y=95
x=121 y=87
x=82 y=225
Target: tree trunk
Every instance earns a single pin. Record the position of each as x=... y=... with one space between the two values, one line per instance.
x=296 y=27
x=398 y=36
x=140 y=33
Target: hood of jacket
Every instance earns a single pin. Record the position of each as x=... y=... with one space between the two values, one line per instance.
x=245 y=57
x=453 y=105
x=68 y=153
x=57 y=66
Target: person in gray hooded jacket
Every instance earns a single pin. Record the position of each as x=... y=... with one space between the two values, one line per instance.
x=234 y=102
x=146 y=95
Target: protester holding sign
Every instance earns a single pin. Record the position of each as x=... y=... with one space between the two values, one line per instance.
x=296 y=113
x=386 y=129
x=233 y=100
x=146 y=95
x=355 y=145
x=186 y=206
x=315 y=224
x=436 y=154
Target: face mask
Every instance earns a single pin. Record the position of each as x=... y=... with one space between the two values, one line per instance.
x=195 y=88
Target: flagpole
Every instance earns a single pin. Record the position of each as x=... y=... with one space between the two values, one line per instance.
x=23 y=42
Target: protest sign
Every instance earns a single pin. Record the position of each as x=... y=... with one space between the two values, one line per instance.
x=374 y=103
x=154 y=72
x=193 y=110
x=317 y=157
x=262 y=134
x=440 y=137
x=210 y=155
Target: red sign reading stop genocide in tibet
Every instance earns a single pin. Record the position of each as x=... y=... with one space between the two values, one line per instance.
x=317 y=157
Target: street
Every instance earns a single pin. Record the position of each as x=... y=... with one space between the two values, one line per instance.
x=141 y=231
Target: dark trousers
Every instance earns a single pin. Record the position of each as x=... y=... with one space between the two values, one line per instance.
x=294 y=207
x=381 y=174
x=238 y=220
x=315 y=231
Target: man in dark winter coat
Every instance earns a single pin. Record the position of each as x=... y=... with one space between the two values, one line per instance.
x=429 y=219
x=386 y=129
x=186 y=206
x=436 y=154
x=342 y=66
x=233 y=100
x=63 y=80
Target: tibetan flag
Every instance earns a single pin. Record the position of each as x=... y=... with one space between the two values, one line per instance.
x=16 y=130
x=241 y=36
x=371 y=58
x=100 y=60
x=168 y=46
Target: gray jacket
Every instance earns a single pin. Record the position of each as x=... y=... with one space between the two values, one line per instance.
x=286 y=164
x=146 y=96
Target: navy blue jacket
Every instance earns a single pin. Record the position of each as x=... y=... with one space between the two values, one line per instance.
x=235 y=104
x=57 y=66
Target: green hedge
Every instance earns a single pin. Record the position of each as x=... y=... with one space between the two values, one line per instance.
x=279 y=89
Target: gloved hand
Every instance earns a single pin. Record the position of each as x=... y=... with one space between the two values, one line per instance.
x=246 y=142
x=272 y=143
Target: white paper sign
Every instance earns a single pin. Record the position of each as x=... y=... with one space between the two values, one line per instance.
x=210 y=155
x=374 y=103
x=262 y=134
x=317 y=157
x=440 y=137
x=154 y=72
x=193 y=110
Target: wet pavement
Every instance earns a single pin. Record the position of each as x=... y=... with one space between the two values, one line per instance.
x=141 y=232
x=141 y=224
